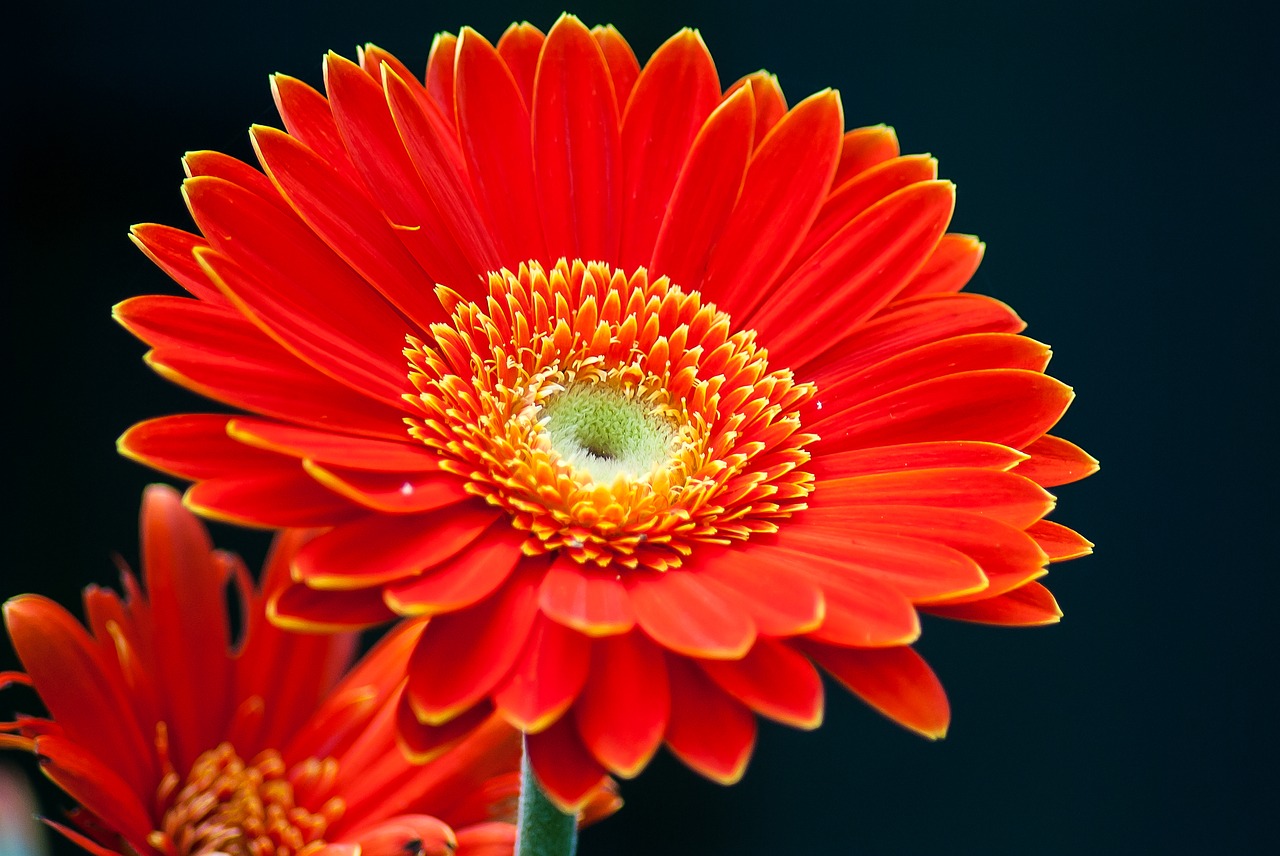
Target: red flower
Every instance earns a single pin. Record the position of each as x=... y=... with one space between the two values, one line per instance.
x=172 y=743
x=695 y=404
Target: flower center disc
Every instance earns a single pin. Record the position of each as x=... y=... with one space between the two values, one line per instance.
x=607 y=434
x=229 y=807
x=619 y=420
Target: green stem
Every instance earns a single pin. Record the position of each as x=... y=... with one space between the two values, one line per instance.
x=543 y=829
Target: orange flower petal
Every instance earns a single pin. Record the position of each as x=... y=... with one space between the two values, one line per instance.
x=299 y=608
x=277 y=497
x=620 y=60
x=370 y=136
x=953 y=263
x=778 y=203
x=589 y=601
x=709 y=730
x=774 y=681
x=90 y=707
x=895 y=681
x=1058 y=541
x=568 y=773
x=463 y=579
x=327 y=447
x=97 y=786
x=546 y=678
x=1055 y=461
x=863 y=148
x=622 y=712
x=377 y=548
x=1002 y=496
x=193 y=446
x=780 y=602
x=680 y=613
x=1007 y=406
x=519 y=48
x=340 y=211
x=308 y=117
x=1028 y=606
x=705 y=192
x=657 y=135
x=857 y=272
x=173 y=251
x=576 y=145
x=462 y=655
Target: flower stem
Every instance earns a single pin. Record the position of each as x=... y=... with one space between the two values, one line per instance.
x=542 y=829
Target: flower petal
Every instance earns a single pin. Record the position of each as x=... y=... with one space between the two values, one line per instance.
x=1059 y=542
x=328 y=447
x=462 y=655
x=519 y=48
x=705 y=193
x=622 y=712
x=371 y=138
x=863 y=148
x=576 y=145
x=953 y=263
x=678 y=612
x=568 y=773
x=393 y=493
x=546 y=678
x=675 y=93
x=895 y=681
x=710 y=731
x=500 y=163
x=342 y=213
x=590 y=601
x=780 y=603
x=1011 y=407
x=778 y=203
x=1055 y=461
x=97 y=786
x=972 y=352
x=192 y=446
x=1002 y=496
x=278 y=497
x=774 y=681
x=173 y=251
x=79 y=690
x=469 y=576
x=858 y=271
x=1029 y=606
x=379 y=548
x=299 y=608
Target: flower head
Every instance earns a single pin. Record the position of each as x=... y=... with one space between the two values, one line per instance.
x=172 y=742
x=652 y=394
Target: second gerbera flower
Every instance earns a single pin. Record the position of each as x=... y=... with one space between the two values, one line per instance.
x=695 y=405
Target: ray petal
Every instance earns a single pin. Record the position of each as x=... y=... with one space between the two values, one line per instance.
x=576 y=145
x=895 y=681
x=622 y=712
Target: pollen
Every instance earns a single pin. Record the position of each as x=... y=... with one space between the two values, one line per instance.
x=618 y=420
x=228 y=806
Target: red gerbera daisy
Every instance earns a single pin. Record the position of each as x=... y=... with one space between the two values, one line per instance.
x=690 y=400
x=174 y=744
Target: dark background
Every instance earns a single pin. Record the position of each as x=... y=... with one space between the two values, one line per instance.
x=1117 y=159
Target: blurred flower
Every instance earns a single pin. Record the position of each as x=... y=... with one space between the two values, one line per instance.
x=690 y=400
x=173 y=743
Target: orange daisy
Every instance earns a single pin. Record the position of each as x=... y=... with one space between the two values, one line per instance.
x=173 y=743
x=654 y=394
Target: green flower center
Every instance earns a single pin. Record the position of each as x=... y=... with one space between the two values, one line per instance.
x=606 y=432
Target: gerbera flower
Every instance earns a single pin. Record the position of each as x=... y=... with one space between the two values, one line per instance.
x=655 y=393
x=174 y=744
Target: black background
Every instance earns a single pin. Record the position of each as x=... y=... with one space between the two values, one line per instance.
x=1117 y=159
